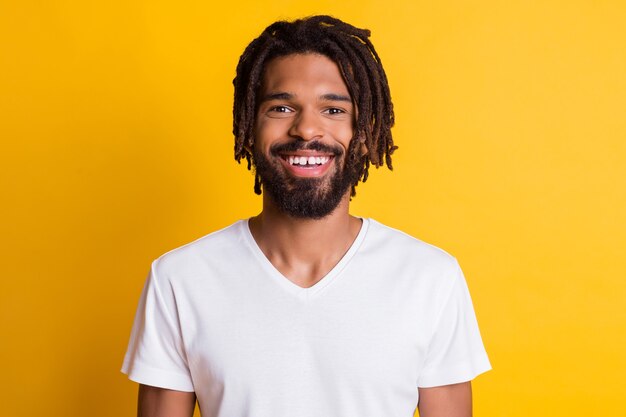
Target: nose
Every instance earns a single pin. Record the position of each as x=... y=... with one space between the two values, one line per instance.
x=307 y=125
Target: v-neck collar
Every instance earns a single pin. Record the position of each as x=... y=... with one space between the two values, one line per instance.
x=285 y=282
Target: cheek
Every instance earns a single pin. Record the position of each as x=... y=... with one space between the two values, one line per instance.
x=268 y=132
x=345 y=135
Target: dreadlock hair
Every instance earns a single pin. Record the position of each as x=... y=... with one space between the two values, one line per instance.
x=350 y=48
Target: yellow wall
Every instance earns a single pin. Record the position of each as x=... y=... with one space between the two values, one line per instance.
x=116 y=146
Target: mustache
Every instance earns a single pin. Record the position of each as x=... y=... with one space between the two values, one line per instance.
x=301 y=146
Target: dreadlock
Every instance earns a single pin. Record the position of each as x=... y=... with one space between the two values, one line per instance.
x=350 y=48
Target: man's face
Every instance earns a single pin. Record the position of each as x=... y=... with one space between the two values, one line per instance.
x=303 y=131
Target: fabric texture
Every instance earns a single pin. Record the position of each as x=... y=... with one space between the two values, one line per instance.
x=216 y=317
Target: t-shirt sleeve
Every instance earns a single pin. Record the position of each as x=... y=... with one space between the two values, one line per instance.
x=156 y=354
x=456 y=352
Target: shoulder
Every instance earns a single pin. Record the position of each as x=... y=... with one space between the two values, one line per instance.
x=398 y=246
x=420 y=273
x=220 y=245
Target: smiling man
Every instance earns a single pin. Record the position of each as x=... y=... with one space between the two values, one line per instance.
x=305 y=310
x=304 y=96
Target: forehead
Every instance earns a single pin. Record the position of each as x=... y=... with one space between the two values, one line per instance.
x=296 y=72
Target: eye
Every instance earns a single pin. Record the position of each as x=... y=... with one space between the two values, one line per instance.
x=334 y=110
x=280 y=109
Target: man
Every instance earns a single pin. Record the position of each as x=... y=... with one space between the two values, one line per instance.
x=305 y=310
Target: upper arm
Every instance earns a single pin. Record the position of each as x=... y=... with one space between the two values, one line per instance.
x=446 y=401
x=161 y=402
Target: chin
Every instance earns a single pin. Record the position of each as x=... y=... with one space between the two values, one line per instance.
x=306 y=198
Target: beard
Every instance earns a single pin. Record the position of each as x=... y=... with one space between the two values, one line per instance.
x=307 y=198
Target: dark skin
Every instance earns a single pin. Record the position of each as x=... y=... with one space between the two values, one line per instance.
x=160 y=402
x=453 y=400
x=305 y=104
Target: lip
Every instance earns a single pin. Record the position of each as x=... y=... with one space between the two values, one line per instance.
x=306 y=171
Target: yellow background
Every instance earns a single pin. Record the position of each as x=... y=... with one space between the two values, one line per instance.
x=115 y=120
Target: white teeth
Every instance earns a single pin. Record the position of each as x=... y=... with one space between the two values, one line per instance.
x=311 y=160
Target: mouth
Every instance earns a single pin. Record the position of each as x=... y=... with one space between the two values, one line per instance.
x=306 y=164
x=307 y=160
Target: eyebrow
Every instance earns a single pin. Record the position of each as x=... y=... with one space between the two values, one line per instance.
x=277 y=96
x=289 y=96
x=336 y=97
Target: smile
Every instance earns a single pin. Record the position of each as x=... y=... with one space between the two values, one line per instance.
x=307 y=160
x=307 y=165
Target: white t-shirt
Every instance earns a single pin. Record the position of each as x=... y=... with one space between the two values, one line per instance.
x=217 y=318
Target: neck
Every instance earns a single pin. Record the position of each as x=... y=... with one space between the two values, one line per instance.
x=304 y=250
